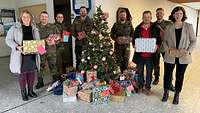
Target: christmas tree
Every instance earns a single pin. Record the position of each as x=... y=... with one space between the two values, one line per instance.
x=98 y=54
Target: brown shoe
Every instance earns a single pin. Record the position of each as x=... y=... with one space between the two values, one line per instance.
x=140 y=91
x=147 y=92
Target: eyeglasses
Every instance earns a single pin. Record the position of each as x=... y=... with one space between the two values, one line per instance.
x=60 y=17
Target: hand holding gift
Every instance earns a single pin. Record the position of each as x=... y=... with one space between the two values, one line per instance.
x=52 y=39
x=172 y=52
x=81 y=35
x=123 y=40
x=20 y=49
x=178 y=52
x=183 y=52
x=33 y=47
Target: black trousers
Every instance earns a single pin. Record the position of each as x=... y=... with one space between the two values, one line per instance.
x=78 y=52
x=157 y=66
x=168 y=71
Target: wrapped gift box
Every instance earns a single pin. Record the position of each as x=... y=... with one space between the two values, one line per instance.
x=91 y=75
x=117 y=89
x=70 y=91
x=125 y=83
x=65 y=36
x=176 y=53
x=117 y=98
x=87 y=85
x=52 y=39
x=124 y=39
x=101 y=95
x=145 y=45
x=130 y=90
x=67 y=98
x=31 y=46
x=70 y=88
x=85 y=95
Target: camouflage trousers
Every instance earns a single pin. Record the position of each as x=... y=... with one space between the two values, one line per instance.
x=122 y=54
x=49 y=60
x=64 y=58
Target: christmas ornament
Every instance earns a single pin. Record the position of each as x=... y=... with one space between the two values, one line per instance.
x=90 y=43
x=93 y=32
x=111 y=52
x=82 y=60
x=104 y=59
x=95 y=66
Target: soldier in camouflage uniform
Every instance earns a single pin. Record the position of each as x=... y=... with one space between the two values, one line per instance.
x=45 y=30
x=122 y=33
x=80 y=27
x=161 y=24
x=64 y=49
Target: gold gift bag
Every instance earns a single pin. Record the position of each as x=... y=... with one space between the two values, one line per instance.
x=30 y=46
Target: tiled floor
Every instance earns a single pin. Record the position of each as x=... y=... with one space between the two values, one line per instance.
x=10 y=98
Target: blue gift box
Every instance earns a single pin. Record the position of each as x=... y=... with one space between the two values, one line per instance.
x=98 y=97
x=58 y=90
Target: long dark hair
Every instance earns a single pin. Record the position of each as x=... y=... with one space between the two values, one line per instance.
x=178 y=8
x=122 y=9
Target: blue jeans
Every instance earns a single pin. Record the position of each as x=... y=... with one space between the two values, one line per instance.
x=149 y=68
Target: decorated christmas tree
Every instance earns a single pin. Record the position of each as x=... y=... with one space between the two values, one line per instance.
x=98 y=54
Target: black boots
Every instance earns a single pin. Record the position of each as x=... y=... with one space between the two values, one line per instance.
x=176 y=98
x=24 y=95
x=32 y=94
x=172 y=88
x=40 y=83
x=156 y=81
x=165 y=96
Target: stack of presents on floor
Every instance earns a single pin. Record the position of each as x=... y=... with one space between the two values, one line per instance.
x=87 y=87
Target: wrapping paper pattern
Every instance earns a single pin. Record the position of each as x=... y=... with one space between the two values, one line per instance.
x=145 y=45
x=101 y=95
x=91 y=75
x=31 y=46
x=85 y=95
x=67 y=98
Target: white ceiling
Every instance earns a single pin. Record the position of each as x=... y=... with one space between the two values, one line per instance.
x=195 y=5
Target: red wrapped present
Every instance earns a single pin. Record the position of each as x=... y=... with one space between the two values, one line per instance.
x=91 y=75
x=117 y=89
x=81 y=35
x=52 y=39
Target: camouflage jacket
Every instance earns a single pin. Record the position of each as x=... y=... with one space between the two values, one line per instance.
x=162 y=24
x=79 y=26
x=122 y=29
x=61 y=27
x=46 y=30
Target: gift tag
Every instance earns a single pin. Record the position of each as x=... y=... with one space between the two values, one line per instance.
x=130 y=88
x=41 y=49
x=105 y=93
x=66 y=38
